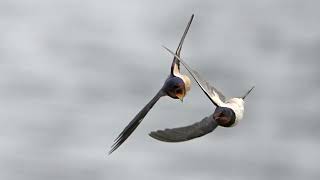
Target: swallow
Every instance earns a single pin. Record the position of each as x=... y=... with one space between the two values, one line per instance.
x=175 y=86
x=227 y=113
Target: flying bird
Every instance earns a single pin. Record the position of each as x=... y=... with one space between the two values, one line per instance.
x=175 y=86
x=227 y=113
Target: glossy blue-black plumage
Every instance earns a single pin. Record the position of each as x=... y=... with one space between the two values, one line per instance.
x=173 y=86
x=224 y=116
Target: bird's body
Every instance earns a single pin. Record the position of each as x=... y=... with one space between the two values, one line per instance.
x=227 y=113
x=175 y=86
x=237 y=106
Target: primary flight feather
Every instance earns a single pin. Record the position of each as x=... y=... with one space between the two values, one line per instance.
x=227 y=112
x=176 y=86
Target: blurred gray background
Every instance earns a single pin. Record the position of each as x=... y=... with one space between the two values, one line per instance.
x=74 y=73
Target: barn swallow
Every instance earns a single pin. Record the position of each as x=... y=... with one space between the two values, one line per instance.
x=227 y=113
x=175 y=86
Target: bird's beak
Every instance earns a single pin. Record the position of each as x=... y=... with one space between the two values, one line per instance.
x=180 y=96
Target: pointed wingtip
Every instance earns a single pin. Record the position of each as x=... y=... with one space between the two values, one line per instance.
x=110 y=152
x=113 y=148
x=151 y=133
x=171 y=52
x=243 y=97
x=155 y=135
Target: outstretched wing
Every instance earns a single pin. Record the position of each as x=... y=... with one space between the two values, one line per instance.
x=205 y=126
x=175 y=67
x=216 y=97
x=135 y=122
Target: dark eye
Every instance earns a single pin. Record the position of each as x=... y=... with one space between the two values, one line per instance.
x=179 y=91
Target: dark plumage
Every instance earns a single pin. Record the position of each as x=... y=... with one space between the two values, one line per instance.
x=227 y=113
x=198 y=129
x=176 y=86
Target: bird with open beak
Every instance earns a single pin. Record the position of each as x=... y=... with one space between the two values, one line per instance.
x=175 y=86
x=227 y=113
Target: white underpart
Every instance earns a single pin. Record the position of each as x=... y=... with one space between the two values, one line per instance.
x=237 y=105
x=185 y=79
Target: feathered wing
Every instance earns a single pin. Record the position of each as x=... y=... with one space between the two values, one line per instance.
x=205 y=126
x=216 y=97
x=212 y=90
x=175 y=67
x=135 y=122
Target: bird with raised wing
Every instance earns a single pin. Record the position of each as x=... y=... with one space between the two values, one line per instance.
x=175 y=86
x=227 y=113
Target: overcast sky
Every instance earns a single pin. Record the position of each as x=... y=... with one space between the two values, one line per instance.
x=74 y=73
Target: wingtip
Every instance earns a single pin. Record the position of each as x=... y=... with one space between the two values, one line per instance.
x=170 y=52
x=157 y=136
x=110 y=152
x=113 y=148
x=153 y=134
x=243 y=97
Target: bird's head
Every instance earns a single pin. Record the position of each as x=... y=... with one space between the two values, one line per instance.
x=224 y=116
x=177 y=87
